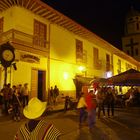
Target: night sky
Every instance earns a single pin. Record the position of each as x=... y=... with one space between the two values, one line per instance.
x=103 y=17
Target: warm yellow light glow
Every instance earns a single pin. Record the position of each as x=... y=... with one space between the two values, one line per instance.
x=82 y=68
x=108 y=74
x=66 y=75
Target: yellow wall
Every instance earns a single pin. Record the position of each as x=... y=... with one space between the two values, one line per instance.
x=20 y=19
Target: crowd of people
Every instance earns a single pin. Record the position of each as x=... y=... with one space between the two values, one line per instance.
x=90 y=105
x=101 y=99
x=13 y=98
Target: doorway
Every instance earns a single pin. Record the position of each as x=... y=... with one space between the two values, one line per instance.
x=38 y=82
x=41 y=84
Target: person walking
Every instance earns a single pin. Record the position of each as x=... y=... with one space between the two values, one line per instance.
x=110 y=100
x=100 y=101
x=51 y=96
x=91 y=108
x=56 y=93
x=81 y=106
x=36 y=128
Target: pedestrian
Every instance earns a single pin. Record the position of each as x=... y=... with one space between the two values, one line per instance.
x=91 y=109
x=25 y=93
x=10 y=93
x=51 y=95
x=19 y=92
x=131 y=97
x=110 y=101
x=56 y=93
x=100 y=101
x=66 y=104
x=16 y=104
x=4 y=91
x=36 y=128
x=81 y=106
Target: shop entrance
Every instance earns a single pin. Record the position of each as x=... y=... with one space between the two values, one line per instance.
x=38 y=82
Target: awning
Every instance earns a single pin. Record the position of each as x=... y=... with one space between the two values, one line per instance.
x=82 y=80
x=130 y=77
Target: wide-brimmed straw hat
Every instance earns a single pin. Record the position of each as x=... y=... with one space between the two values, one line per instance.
x=34 y=109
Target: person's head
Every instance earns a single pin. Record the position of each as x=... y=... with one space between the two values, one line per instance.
x=14 y=87
x=20 y=85
x=26 y=84
x=81 y=94
x=9 y=85
x=34 y=109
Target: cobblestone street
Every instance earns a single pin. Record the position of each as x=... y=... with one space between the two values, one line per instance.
x=124 y=126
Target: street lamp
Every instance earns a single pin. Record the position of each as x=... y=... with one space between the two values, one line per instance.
x=82 y=69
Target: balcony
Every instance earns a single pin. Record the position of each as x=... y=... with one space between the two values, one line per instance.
x=98 y=64
x=25 y=42
x=109 y=67
x=81 y=58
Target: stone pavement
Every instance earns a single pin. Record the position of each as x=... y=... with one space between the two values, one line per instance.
x=67 y=123
x=102 y=131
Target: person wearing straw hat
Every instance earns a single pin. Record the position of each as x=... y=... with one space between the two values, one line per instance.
x=36 y=128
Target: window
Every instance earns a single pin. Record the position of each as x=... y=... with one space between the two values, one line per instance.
x=96 y=62
x=107 y=62
x=39 y=34
x=119 y=66
x=128 y=66
x=96 y=54
x=84 y=56
x=79 y=51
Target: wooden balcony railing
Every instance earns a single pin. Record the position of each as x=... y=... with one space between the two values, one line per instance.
x=109 y=67
x=24 y=41
x=98 y=64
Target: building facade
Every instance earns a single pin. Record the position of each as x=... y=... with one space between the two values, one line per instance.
x=51 y=49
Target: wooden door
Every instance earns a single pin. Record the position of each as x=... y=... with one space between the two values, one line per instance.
x=34 y=83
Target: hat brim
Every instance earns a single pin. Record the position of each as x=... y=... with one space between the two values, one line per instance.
x=33 y=115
